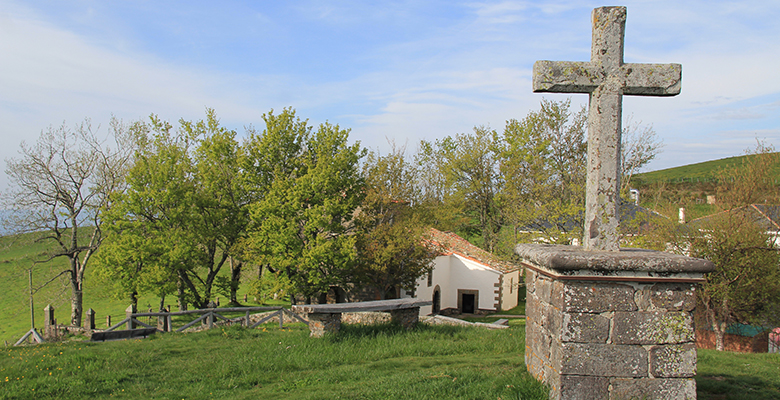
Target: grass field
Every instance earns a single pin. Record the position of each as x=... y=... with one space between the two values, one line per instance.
x=17 y=254
x=738 y=376
x=361 y=362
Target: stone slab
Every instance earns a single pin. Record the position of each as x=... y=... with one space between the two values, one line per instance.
x=653 y=389
x=657 y=327
x=562 y=258
x=603 y=360
x=378 y=305
x=575 y=387
x=673 y=361
x=584 y=328
x=673 y=296
x=597 y=298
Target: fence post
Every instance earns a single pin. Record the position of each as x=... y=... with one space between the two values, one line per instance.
x=129 y=314
x=89 y=323
x=281 y=319
x=246 y=319
x=48 y=322
x=162 y=321
x=211 y=319
x=108 y=321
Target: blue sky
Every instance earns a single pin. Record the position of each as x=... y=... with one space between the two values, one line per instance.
x=400 y=70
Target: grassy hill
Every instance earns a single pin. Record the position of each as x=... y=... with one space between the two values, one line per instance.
x=17 y=255
x=693 y=173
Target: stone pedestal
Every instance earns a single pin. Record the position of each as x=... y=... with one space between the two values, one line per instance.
x=322 y=323
x=611 y=325
x=406 y=317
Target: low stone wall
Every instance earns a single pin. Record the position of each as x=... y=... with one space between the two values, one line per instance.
x=365 y=318
x=705 y=339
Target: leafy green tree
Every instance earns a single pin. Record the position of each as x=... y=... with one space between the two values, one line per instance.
x=391 y=239
x=186 y=202
x=61 y=185
x=301 y=225
x=468 y=165
x=745 y=287
x=543 y=160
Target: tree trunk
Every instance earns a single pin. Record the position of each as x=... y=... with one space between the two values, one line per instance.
x=720 y=334
x=76 y=304
x=182 y=301
x=134 y=299
x=77 y=294
x=235 y=280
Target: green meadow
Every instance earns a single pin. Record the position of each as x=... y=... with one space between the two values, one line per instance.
x=361 y=362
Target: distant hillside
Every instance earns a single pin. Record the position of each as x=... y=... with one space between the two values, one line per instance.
x=693 y=173
x=17 y=255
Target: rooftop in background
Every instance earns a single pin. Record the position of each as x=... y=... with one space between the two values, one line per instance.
x=766 y=216
x=454 y=244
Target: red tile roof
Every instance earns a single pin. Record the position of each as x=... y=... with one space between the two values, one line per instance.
x=451 y=243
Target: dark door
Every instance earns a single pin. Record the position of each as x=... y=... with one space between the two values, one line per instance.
x=468 y=303
x=436 y=301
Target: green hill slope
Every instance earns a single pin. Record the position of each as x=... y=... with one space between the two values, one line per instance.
x=17 y=254
x=693 y=173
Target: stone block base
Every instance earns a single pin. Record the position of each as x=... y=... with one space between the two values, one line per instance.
x=610 y=335
x=406 y=317
x=322 y=323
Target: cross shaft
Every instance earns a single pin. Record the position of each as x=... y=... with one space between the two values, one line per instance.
x=606 y=79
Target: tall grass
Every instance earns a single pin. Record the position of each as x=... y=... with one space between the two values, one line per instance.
x=725 y=375
x=361 y=362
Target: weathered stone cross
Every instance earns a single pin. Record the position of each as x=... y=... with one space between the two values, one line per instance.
x=606 y=78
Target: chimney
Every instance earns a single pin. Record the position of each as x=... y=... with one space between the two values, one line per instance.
x=682 y=215
x=634 y=194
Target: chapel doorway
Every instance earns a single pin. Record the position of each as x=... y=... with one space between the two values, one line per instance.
x=468 y=301
x=436 y=300
x=468 y=304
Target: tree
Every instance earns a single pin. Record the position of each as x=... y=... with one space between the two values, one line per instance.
x=186 y=204
x=391 y=241
x=469 y=165
x=302 y=224
x=543 y=160
x=745 y=286
x=639 y=146
x=61 y=186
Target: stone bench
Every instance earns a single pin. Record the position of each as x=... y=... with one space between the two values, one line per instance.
x=326 y=318
x=122 y=334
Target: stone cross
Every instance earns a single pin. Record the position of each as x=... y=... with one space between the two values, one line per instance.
x=606 y=78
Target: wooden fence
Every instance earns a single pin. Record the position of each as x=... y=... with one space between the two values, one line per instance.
x=165 y=321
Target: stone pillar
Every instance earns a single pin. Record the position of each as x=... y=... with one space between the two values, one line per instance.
x=89 y=321
x=322 y=323
x=49 y=323
x=129 y=311
x=406 y=317
x=611 y=325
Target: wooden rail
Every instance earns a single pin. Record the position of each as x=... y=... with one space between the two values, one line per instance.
x=209 y=314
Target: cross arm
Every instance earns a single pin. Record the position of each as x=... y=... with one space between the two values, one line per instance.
x=652 y=79
x=566 y=77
